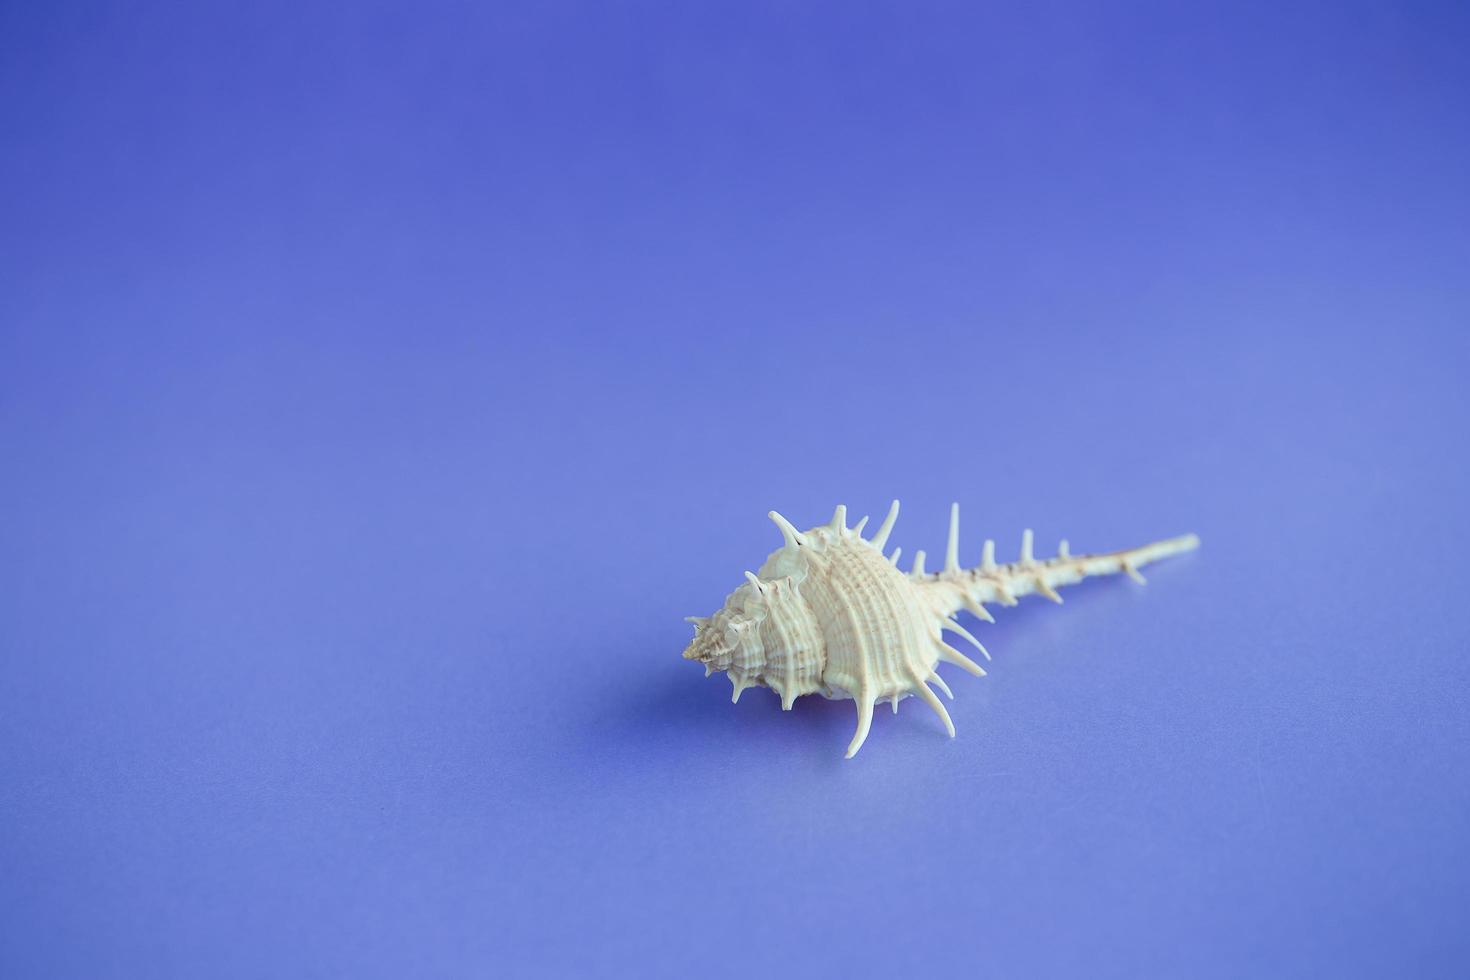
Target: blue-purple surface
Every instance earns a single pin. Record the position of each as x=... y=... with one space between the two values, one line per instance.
x=379 y=388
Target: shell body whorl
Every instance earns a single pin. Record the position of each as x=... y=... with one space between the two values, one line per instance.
x=829 y=614
x=875 y=634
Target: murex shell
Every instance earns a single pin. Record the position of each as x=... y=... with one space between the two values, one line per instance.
x=828 y=614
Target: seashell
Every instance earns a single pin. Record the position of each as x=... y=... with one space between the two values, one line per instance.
x=828 y=614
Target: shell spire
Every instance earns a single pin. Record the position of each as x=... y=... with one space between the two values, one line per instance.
x=879 y=635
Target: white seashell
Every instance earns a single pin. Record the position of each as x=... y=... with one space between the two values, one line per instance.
x=828 y=614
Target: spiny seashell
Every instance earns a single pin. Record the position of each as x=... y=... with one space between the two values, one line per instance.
x=828 y=614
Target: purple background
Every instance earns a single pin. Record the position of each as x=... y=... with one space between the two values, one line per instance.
x=380 y=387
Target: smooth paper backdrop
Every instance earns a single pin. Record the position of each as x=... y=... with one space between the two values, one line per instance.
x=380 y=385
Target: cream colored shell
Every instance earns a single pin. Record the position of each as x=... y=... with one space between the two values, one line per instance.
x=828 y=614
